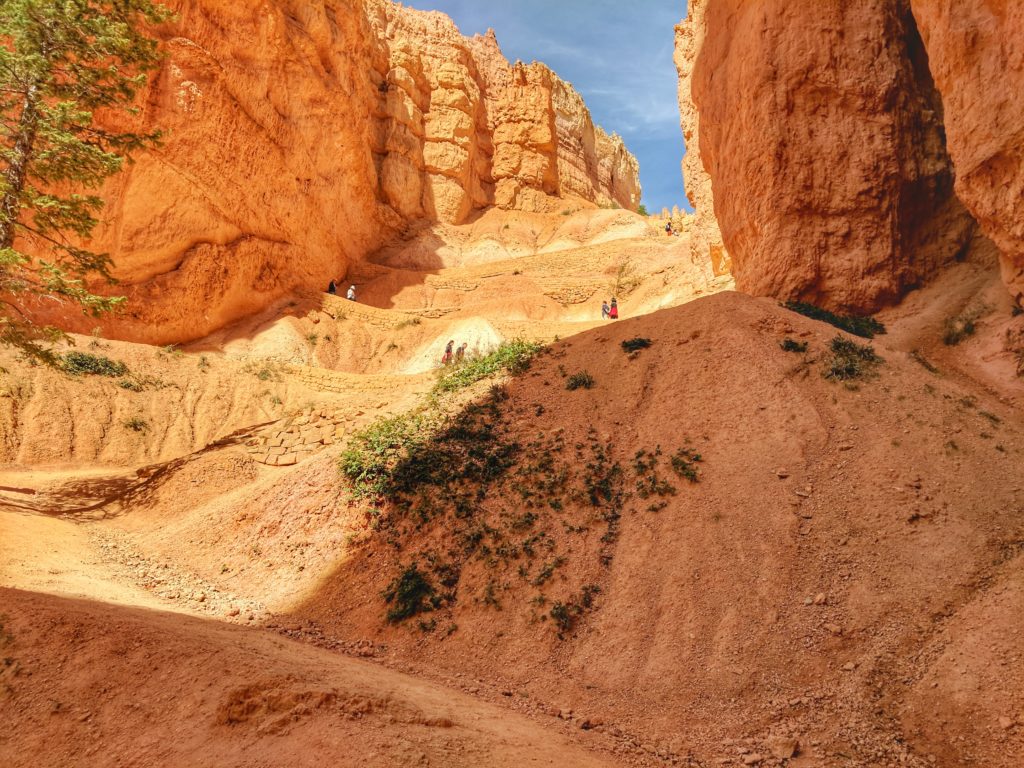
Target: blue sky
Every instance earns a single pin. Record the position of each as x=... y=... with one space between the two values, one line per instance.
x=617 y=54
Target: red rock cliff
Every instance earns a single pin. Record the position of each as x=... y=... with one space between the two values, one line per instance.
x=302 y=133
x=821 y=131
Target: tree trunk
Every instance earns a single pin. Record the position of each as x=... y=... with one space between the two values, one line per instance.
x=10 y=206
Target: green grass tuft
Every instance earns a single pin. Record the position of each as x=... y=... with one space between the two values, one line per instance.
x=791 y=345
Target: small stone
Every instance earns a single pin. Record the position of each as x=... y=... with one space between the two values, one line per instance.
x=1006 y=723
x=783 y=747
x=781 y=474
x=234 y=611
x=201 y=597
x=835 y=629
x=849 y=666
x=819 y=599
x=753 y=759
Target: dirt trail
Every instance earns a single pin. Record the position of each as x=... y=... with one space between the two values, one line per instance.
x=100 y=685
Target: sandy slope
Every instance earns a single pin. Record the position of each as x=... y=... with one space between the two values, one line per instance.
x=847 y=573
x=87 y=684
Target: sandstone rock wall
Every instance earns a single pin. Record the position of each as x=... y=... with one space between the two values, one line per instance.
x=705 y=235
x=302 y=134
x=976 y=54
x=822 y=133
x=461 y=128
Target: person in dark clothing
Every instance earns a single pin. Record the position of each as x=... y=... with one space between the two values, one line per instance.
x=446 y=358
x=332 y=288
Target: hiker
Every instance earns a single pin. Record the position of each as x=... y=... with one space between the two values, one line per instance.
x=332 y=288
x=446 y=358
x=460 y=353
x=351 y=295
x=605 y=311
x=613 y=313
x=668 y=228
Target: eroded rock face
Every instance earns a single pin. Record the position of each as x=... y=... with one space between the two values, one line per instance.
x=301 y=134
x=976 y=54
x=821 y=132
x=461 y=128
x=705 y=235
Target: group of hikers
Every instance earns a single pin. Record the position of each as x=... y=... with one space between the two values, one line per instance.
x=332 y=289
x=451 y=353
x=610 y=312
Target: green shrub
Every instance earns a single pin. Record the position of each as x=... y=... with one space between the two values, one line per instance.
x=792 y=345
x=83 y=363
x=565 y=615
x=866 y=327
x=371 y=458
x=136 y=424
x=684 y=463
x=635 y=345
x=850 y=360
x=512 y=357
x=410 y=593
x=580 y=380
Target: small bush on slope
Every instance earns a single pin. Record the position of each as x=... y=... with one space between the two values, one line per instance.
x=635 y=345
x=866 y=327
x=410 y=593
x=581 y=380
x=84 y=363
x=850 y=360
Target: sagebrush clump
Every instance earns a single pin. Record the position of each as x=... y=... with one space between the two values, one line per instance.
x=850 y=360
x=580 y=380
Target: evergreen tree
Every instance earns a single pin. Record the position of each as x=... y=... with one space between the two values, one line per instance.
x=62 y=61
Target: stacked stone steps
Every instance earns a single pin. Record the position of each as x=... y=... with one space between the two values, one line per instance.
x=294 y=439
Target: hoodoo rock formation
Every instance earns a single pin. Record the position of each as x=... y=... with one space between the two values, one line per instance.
x=976 y=54
x=822 y=133
x=300 y=135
